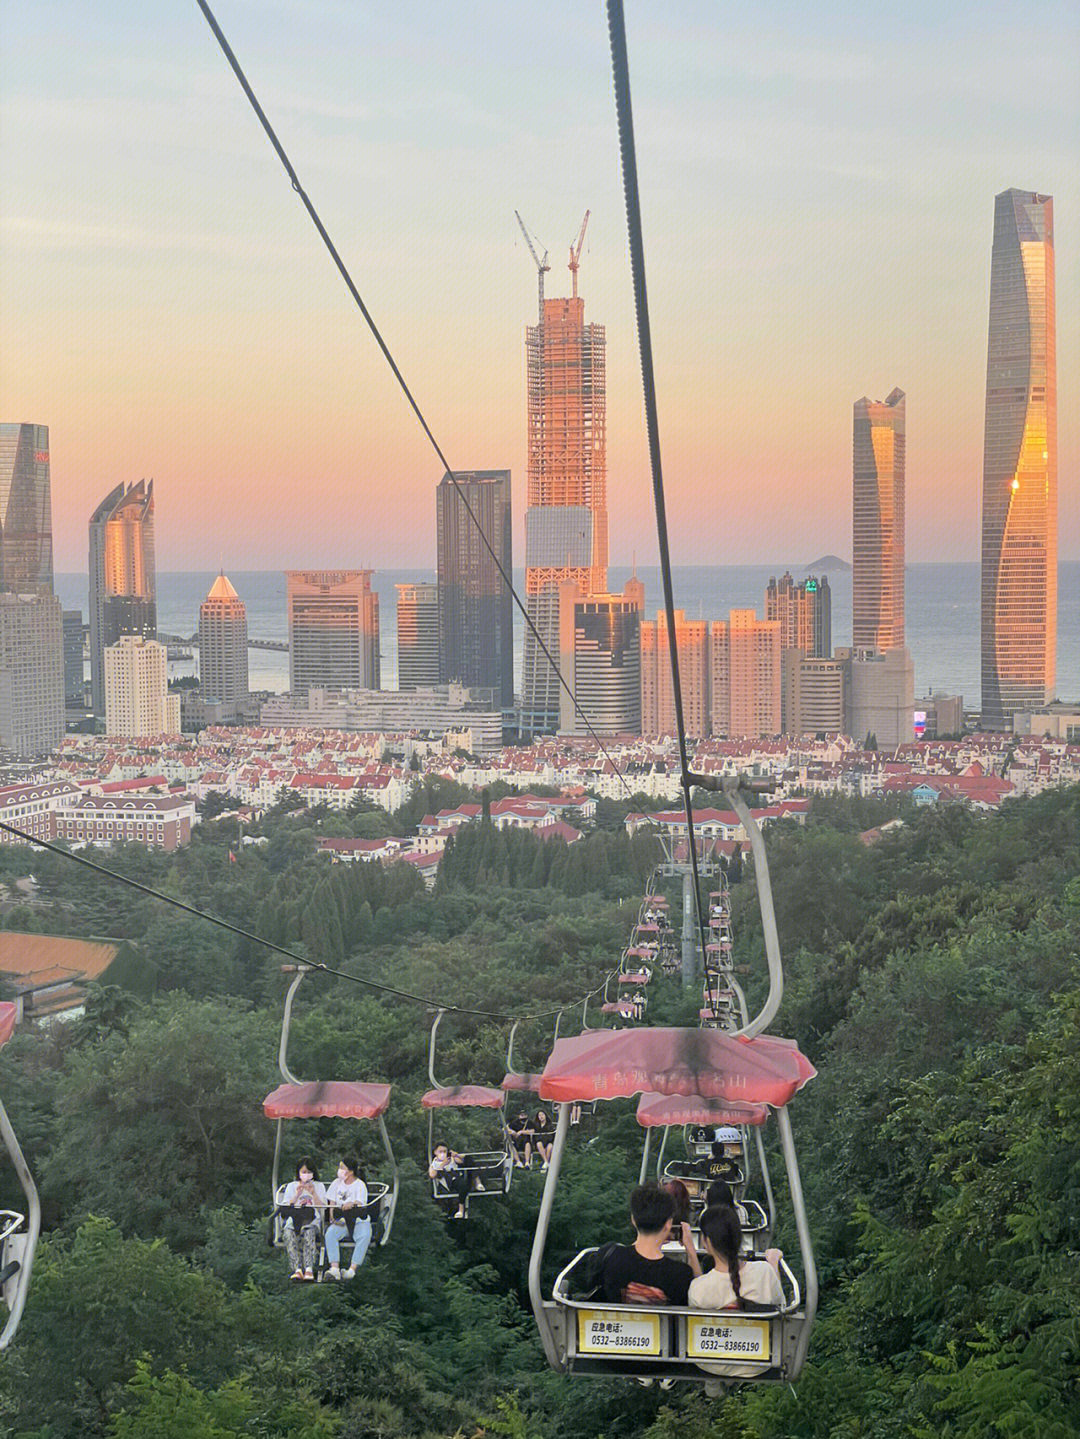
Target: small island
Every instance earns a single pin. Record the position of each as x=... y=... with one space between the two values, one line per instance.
x=826 y=563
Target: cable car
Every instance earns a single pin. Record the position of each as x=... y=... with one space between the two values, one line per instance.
x=329 y=1099
x=593 y=1337
x=491 y=1169
x=18 y=1232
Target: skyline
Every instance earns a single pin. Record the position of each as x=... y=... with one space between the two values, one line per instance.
x=170 y=313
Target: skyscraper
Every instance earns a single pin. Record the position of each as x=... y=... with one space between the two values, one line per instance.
x=333 y=630
x=877 y=579
x=137 y=698
x=26 y=565
x=566 y=534
x=476 y=636
x=73 y=657
x=31 y=674
x=1019 y=494
x=123 y=583
x=744 y=675
x=804 y=611
x=599 y=656
x=657 y=694
x=223 y=645
x=417 y=636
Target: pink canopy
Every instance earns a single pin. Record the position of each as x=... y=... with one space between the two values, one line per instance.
x=657 y=901
x=7 y=1021
x=327 y=1099
x=642 y=978
x=617 y=1063
x=647 y=928
x=520 y=1083
x=641 y=951
x=654 y=1109
x=464 y=1096
x=625 y=1007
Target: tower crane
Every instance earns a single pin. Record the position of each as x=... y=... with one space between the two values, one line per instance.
x=542 y=266
x=575 y=251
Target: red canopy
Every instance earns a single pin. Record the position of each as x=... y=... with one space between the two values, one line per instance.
x=7 y=1021
x=625 y=1007
x=656 y=1109
x=617 y=1063
x=327 y=1099
x=656 y=900
x=641 y=951
x=647 y=928
x=463 y=1096
x=521 y=1083
x=642 y=978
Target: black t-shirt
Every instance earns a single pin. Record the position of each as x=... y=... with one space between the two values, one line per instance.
x=651 y=1281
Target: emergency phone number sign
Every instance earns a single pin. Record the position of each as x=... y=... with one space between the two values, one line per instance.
x=605 y=1332
x=727 y=1339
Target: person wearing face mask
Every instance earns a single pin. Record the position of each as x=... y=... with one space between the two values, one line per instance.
x=303 y=1204
x=347 y=1197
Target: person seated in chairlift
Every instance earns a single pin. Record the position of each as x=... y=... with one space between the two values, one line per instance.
x=302 y=1206
x=726 y=1142
x=543 y=1132
x=521 y=1140
x=733 y=1280
x=641 y=1273
x=452 y=1176
x=347 y=1196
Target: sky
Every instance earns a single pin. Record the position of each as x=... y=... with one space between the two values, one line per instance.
x=817 y=186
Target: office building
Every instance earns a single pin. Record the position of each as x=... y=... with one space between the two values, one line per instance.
x=1019 y=492
x=476 y=611
x=31 y=675
x=877 y=571
x=938 y=715
x=657 y=694
x=26 y=560
x=123 y=582
x=417 y=636
x=137 y=699
x=74 y=672
x=223 y=646
x=600 y=659
x=881 y=696
x=744 y=675
x=803 y=610
x=813 y=694
x=566 y=528
x=333 y=630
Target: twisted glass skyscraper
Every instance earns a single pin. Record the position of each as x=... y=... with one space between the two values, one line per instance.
x=1019 y=495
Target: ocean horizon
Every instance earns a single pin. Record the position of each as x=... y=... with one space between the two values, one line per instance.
x=942 y=615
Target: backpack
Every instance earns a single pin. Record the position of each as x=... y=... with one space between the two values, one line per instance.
x=587 y=1276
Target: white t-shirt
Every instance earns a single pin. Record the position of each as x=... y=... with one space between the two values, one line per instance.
x=758 y=1282
x=305 y=1199
x=342 y=1191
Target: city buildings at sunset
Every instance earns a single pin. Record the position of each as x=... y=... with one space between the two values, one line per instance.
x=26 y=548
x=31 y=674
x=803 y=610
x=877 y=579
x=657 y=695
x=744 y=675
x=476 y=610
x=333 y=630
x=223 y=646
x=137 y=698
x=1019 y=491
x=599 y=656
x=417 y=636
x=123 y=576
x=566 y=522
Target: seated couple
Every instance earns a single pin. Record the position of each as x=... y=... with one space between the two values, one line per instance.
x=304 y=1206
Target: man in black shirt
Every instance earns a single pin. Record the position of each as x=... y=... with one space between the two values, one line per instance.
x=641 y=1273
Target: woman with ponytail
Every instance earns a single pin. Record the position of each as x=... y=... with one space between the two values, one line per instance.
x=734 y=1282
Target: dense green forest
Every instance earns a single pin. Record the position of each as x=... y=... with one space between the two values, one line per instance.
x=933 y=978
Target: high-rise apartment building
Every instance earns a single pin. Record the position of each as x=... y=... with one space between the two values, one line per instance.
x=880 y=696
x=123 y=580
x=26 y=560
x=223 y=645
x=1019 y=493
x=803 y=610
x=657 y=693
x=877 y=577
x=31 y=674
x=333 y=630
x=417 y=636
x=137 y=698
x=476 y=616
x=566 y=530
x=74 y=680
x=813 y=694
x=600 y=658
x=744 y=675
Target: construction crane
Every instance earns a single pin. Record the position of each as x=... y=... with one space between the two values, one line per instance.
x=542 y=266
x=575 y=251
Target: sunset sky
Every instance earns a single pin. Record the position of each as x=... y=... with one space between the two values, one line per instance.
x=818 y=189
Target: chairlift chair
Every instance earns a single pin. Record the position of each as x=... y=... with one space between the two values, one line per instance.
x=493 y=1168
x=18 y=1232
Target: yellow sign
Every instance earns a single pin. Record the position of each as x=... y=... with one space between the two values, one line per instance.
x=727 y=1339
x=605 y=1331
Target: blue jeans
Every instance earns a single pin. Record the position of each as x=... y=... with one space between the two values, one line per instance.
x=361 y=1239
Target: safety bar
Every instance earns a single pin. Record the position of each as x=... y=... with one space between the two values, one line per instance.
x=33 y=1229
x=788 y=1307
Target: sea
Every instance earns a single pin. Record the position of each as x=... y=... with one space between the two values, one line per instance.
x=942 y=615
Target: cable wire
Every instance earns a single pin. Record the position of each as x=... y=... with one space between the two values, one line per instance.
x=621 y=71
x=279 y=150
x=315 y=964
